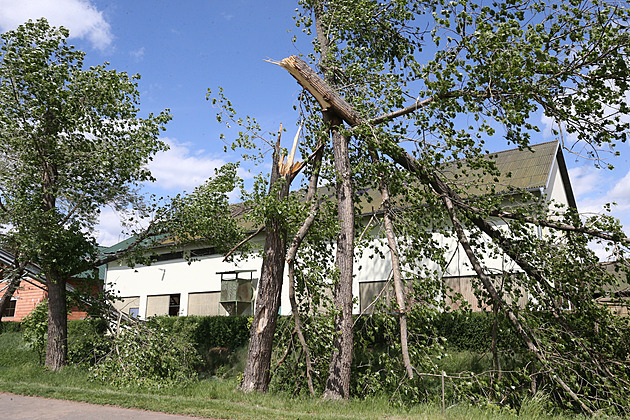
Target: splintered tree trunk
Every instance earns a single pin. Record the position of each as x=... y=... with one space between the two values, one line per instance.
x=57 y=345
x=338 y=383
x=256 y=376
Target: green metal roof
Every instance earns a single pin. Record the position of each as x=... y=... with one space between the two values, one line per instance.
x=520 y=169
x=528 y=168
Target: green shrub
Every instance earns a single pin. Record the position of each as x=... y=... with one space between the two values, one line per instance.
x=35 y=329
x=216 y=338
x=9 y=326
x=148 y=356
x=208 y=332
x=87 y=343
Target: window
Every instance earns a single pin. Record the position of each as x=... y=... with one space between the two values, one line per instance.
x=173 y=305
x=205 y=303
x=10 y=310
x=372 y=294
x=134 y=312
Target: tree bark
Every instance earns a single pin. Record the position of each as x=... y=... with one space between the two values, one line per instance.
x=257 y=375
x=338 y=383
x=57 y=344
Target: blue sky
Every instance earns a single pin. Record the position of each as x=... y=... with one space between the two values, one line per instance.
x=183 y=48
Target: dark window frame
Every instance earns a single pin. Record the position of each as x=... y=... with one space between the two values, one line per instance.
x=9 y=311
x=174 y=303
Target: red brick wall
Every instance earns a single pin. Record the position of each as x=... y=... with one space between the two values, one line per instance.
x=28 y=296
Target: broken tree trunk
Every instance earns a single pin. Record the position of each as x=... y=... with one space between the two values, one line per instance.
x=526 y=335
x=330 y=99
x=256 y=376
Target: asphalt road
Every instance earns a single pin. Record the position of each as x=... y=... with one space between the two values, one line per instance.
x=35 y=408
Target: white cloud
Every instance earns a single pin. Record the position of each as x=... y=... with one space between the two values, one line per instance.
x=593 y=189
x=82 y=19
x=181 y=169
x=138 y=54
x=620 y=193
x=109 y=229
x=584 y=179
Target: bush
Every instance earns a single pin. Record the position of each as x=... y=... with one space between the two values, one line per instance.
x=148 y=356
x=208 y=332
x=35 y=329
x=472 y=331
x=216 y=338
x=87 y=343
x=9 y=326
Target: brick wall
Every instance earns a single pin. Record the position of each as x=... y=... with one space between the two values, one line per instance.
x=28 y=296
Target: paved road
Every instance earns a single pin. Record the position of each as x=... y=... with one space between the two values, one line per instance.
x=34 y=408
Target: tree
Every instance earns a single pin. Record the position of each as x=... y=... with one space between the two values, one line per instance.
x=71 y=142
x=414 y=91
x=480 y=72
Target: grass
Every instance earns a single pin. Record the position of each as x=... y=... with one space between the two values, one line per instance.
x=20 y=373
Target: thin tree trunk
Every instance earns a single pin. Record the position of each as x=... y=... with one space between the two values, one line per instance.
x=399 y=289
x=398 y=282
x=338 y=383
x=494 y=346
x=57 y=344
x=292 y=252
x=256 y=376
x=298 y=327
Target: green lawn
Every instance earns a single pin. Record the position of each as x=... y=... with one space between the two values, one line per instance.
x=20 y=373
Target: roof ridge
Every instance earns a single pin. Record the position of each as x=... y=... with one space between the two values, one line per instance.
x=523 y=148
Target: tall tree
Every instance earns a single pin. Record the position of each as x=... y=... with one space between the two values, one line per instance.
x=71 y=142
x=481 y=74
x=414 y=95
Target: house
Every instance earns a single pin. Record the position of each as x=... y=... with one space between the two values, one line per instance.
x=32 y=291
x=211 y=286
x=616 y=297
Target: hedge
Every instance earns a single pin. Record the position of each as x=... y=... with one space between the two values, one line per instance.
x=9 y=326
x=207 y=332
x=463 y=331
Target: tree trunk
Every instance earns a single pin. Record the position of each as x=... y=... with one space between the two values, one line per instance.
x=398 y=282
x=338 y=383
x=256 y=376
x=57 y=345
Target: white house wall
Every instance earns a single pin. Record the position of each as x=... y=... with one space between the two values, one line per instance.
x=179 y=277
